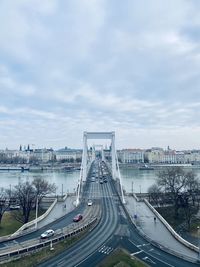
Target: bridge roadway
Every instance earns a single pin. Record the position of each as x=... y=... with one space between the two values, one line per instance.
x=58 y=224
x=114 y=230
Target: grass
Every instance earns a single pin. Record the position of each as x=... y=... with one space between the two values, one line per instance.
x=34 y=258
x=120 y=258
x=9 y=224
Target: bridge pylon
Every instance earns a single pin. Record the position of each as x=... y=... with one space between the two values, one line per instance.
x=84 y=164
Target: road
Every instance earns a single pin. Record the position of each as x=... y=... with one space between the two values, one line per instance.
x=114 y=230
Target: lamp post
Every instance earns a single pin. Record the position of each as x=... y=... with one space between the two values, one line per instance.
x=198 y=242
x=132 y=188
x=36 y=213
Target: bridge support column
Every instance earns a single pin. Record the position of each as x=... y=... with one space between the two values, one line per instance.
x=85 y=154
x=102 y=152
x=113 y=155
x=93 y=153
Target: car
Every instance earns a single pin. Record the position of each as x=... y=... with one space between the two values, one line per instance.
x=93 y=179
x=89 y=202
x=77 y=218
x=101 y=181
x=47 y=234
x=14 y=207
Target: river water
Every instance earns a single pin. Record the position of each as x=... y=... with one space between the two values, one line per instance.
x=133 y=179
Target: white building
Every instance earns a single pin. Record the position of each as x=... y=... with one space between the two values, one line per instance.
x=131 y=155
x=68 y=154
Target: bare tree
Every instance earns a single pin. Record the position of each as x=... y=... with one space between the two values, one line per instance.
x=154 y=194
x=183 y=188
x=42 y=188
x=173 y=181
x=26 y=195
x=4 y=202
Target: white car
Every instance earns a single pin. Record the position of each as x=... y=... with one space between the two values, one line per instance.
x=47 y=234
x=89 y=202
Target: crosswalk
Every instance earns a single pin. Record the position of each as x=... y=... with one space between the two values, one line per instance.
x=105 y=250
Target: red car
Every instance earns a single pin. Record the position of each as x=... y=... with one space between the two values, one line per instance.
x=77 y=218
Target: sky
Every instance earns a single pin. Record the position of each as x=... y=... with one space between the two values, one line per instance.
x=128 y=66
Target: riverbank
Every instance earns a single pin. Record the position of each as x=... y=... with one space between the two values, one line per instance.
x=41 y=167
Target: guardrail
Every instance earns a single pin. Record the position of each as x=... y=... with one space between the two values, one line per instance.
x=26 y=228
x=61 y=234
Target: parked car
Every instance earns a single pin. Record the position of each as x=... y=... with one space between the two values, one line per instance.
x=47 y=234
x=14 y=207
x=89 y=202
x=77 y=218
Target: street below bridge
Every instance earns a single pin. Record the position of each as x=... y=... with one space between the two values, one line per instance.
x=114 y=230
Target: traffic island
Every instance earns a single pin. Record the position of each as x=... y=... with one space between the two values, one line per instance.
x=121 y=258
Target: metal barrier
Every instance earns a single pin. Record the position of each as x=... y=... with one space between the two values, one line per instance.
x=66 y=232
x=26 y=228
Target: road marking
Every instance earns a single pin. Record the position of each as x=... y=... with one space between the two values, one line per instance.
x=147 y=244
x=135 y=253
x=105 y=250
x=158 y=259
x=148 y=259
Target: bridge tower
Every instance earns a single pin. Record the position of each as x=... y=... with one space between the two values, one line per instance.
x=85 y=161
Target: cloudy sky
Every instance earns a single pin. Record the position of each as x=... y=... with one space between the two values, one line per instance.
x=68 y=66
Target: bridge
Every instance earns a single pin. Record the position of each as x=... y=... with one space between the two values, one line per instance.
x=111 y=221
x=87 y=161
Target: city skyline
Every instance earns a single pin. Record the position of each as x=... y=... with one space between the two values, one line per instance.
x=73 y=66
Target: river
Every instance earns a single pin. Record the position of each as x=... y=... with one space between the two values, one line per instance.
x=133 y=179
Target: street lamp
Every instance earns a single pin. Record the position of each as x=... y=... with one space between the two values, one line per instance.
x=198 y=242
x=36 y=213
x=132 y=188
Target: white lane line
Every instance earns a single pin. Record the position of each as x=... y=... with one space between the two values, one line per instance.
x=153 y=256
x=148 y=259
x=101 y=249
x=135 y=253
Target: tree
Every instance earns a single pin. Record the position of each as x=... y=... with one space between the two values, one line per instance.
x=173 y=180
x=154 y=194
x=182 y=187
x=4 y=202
x=26 y=195
x=43 y=188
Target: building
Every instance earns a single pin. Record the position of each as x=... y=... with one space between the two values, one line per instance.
x=68 y=154
x=131 y=156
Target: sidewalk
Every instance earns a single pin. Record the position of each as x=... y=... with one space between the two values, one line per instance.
x=60 y=209
x=154 y=228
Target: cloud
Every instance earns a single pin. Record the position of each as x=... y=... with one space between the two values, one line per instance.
x=71 y=66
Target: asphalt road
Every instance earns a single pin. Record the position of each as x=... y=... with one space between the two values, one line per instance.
x=114 y=230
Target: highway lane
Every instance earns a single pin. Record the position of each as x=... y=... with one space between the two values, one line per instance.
x=94 y=240
x=114 y=229
x=58 y=224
